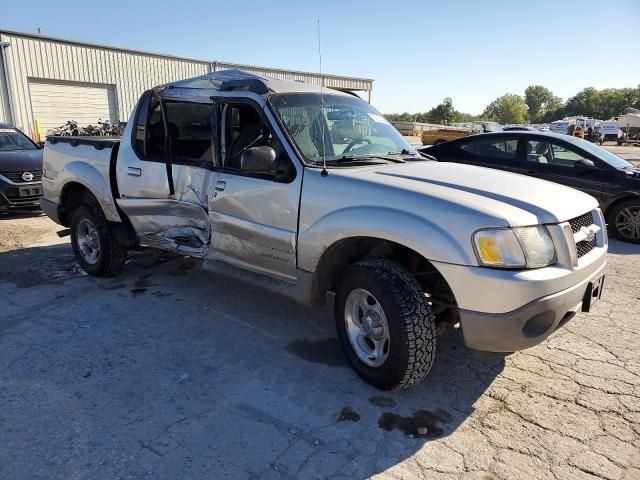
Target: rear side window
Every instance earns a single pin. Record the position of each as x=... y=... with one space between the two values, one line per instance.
x=189 y=128
x=149 y=134
x=141 y=123
x=501 y=150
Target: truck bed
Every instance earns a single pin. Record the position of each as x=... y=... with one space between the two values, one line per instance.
x=90 y=161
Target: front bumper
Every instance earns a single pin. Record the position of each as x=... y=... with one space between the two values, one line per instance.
x=16 y=196
x=526 y=326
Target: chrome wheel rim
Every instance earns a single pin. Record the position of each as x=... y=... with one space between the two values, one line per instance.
x=628 y=222
x=367 y=327
x=88 y=241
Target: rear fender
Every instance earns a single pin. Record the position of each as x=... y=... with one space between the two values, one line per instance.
x=89 y=177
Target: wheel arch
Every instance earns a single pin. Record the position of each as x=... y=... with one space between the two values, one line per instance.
x=88 y=176
x=347 y=251
x=75 y=194
x=626 y=196
x=72 y=195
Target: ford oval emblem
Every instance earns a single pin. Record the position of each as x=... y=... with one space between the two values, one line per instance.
x=27 y=176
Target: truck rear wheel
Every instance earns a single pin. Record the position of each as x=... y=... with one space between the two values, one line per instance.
x=385 y=324
x=95 y=248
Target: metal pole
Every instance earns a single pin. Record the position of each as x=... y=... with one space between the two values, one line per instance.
x=7 y=81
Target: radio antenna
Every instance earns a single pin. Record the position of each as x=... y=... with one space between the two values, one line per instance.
x=322 y=122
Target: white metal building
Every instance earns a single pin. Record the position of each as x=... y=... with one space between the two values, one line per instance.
x=47 y=81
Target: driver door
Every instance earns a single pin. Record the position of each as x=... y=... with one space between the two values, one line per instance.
x=557 y=162
x=254 y=215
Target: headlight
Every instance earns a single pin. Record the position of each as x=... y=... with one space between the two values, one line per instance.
x=521 y=247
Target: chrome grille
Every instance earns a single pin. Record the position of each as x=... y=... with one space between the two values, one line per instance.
x=16 y=177
x=585 y=220
x=584 y=246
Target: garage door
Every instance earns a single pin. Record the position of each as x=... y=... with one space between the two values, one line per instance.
x=54 y=103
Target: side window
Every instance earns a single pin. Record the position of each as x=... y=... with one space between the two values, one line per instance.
x=154 y=132
x=501 y=150
x=189 y=126
x=551 y=154
x=564 y=157
x=149 y=135
x=141 y=127
x=244 y=129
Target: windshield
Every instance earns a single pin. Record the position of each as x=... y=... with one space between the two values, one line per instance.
x=346 y=128
x=11 y=139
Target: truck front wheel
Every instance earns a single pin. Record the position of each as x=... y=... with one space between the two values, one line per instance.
x=385 y=324
x=95 y=248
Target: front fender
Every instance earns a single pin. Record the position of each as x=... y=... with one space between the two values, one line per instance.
x=88 y=176
x=428 y=239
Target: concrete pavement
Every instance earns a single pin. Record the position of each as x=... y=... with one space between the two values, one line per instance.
x=169 y=372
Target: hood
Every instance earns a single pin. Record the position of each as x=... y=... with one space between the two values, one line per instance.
x=518 y=199
x=21 y=161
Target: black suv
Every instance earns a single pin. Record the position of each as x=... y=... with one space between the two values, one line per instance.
x=20 y=170
x=558 y=158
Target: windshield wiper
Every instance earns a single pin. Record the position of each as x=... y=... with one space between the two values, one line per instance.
x=356 y=158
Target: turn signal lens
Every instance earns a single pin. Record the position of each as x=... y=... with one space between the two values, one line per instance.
x=499 y=248
x=520 y=247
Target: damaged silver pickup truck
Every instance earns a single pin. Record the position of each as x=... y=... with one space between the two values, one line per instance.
x=312 y=194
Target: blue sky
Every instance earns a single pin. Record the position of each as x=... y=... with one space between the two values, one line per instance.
x=417 y=52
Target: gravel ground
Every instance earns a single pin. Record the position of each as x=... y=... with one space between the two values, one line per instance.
x=169 y=372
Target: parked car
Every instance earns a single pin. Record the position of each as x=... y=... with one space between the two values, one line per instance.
x=563 y=159
x=20 y=170
x=213 y=167
x=445 y=134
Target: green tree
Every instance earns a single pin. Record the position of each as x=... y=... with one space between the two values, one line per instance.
x=586 y=102
x=443 y=113
x=540 y=101
x=508 y=108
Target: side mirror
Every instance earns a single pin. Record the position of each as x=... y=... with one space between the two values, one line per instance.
x=584 y=163
x=258 y=160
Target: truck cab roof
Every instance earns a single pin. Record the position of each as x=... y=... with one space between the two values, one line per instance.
x=238 y=80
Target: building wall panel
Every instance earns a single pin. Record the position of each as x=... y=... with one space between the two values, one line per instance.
x=49 y=60
x=31 y=57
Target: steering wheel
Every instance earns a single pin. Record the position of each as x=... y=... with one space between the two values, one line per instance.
x=355 y=142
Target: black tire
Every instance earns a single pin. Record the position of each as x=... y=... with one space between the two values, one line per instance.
x=112 y=254
x=411 y=323
x=615 y=217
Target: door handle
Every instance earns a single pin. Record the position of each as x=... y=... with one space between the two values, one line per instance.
x=220 y=186
x=134 y=171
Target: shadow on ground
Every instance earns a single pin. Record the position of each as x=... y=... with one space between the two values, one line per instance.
x=623 y=248
x=167 y=371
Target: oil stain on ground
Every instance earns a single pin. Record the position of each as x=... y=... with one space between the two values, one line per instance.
x=422 y=424
x=326 y=351
x=382 y=402
x=348 y=415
